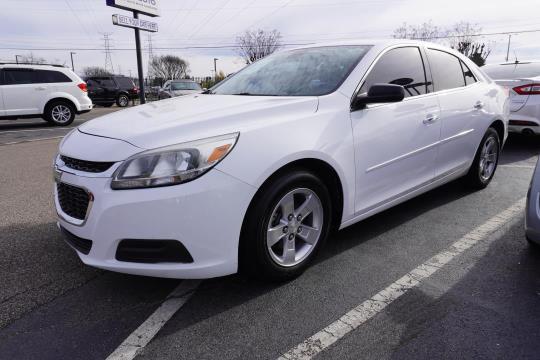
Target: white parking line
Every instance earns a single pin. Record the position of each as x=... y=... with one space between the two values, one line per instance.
x=518 y=166
x=371 y=307
x=30 y=130
x=145 y=333
x=31 y=140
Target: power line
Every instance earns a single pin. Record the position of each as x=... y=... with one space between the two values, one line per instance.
x=228 y=46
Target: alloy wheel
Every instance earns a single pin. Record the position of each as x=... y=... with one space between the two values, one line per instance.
x=295 y=227
x=61 y=114
x=488 y=159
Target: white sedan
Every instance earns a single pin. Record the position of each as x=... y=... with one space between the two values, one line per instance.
x=253 y=175
x=523 y=82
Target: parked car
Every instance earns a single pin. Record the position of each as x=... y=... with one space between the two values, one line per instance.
x=52 y=92
x=532 y=217
x=173 y=88
x=523 y=81
x=255 y=173
x=107 y=90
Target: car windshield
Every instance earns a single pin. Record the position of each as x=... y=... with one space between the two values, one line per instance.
x=304 y=72
x=512 y=71
x=185 y=86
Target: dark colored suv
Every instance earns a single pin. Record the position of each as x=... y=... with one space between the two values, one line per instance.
x=107 y=90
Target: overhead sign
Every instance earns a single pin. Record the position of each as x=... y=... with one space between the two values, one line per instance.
x=147 y=7
x=126 y=21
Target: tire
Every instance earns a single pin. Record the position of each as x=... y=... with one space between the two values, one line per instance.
x=485 y=161
x=123 y=100
x=260 y=259
x=60 y=113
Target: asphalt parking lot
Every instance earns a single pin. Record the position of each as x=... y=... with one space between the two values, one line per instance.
x=482 y=303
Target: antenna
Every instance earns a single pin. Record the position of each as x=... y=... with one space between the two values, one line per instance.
x=108 y=54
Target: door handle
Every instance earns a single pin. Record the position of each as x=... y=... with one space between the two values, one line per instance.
x=430 y=119
x=41 y=88
x=479 y=105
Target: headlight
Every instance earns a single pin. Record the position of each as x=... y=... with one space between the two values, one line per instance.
x=173 y=164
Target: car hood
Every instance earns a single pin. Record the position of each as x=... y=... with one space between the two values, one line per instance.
x=193 y=117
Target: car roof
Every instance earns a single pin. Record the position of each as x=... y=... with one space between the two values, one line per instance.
x=32 y=66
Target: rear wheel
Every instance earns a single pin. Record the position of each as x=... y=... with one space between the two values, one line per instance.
x=123 y=100
x=60 y=113
x=485 y=162
x=285 y=227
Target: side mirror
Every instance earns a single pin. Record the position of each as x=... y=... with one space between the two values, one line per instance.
x=379 y=93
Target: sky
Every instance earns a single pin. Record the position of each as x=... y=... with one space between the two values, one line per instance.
x=61 y=26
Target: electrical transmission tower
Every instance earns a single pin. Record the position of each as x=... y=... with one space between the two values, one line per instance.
x=108 y=54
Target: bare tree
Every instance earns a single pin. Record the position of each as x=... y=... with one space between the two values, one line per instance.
x=95 y=71
x=477 y=52
x=32 y=59
x=426 y=31
x=169 y=67
x=462 y=37
x=254 y=45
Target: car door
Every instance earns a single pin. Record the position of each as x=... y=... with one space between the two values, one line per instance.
x=395 y=143
x=462 y=102
x=23 y=92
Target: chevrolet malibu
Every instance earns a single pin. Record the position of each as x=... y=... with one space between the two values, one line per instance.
x=254 y=174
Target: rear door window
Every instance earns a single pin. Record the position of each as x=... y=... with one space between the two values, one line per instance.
x=401 y=66
x=20 y=76
x=446 y=70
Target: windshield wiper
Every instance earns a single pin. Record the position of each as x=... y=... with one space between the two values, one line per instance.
x=210 y=92
x=245 y=93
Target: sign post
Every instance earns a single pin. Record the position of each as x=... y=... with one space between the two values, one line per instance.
x=142 y=96
x=146 y=7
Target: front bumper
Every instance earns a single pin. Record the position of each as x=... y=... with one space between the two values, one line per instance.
x=205 y=215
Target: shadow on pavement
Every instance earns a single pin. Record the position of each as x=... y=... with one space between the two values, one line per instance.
x=493 y=312
x=519 y=148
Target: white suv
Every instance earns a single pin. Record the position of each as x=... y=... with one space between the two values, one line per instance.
x=51 y=92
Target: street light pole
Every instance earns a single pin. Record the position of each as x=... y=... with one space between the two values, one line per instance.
x=17 y=58
x=72 y=64
x=215 y=69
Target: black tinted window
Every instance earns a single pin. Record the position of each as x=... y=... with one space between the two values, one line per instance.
x=468 y=74
x=125 y=83
x=401 y=66
x=446 y=70
x=20 y=76
x=106 y=83
x=49 y=76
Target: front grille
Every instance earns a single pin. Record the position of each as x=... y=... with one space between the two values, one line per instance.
x=79 y=244
x=152 y=251
x=87 y=166
x=73 y=200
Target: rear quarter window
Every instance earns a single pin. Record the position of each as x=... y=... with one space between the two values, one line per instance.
x=49 y=76
x=125 y=83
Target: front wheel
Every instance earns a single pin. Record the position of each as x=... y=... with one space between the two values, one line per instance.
x=60 y=113
x=285 y=227
x=485 y=161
